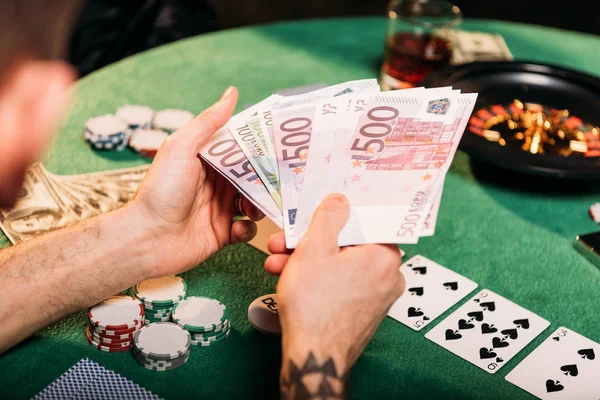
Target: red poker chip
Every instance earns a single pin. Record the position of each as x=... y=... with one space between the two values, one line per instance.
x=107 y=347
x=116 y=332
x=117 y=313
x=147 y=141
x=114 y=340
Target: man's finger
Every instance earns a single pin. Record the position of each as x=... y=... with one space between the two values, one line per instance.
x=242 y=231
x=251 y=211
x=196 y=132
x=275 y=263
x=276 y=244
x=327 y=223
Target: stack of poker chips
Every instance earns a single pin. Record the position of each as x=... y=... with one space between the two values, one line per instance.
x=206 y=319
x=159 y=296
x=162 y=346
x=106 y=132
x=140 y=127
x=113 y=323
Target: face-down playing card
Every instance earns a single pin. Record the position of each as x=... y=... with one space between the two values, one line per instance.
x=488 y=330
x=431 y=289
x=565 y=366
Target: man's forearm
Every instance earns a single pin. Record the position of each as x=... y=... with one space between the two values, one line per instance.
x=312 y=371
x=57 y=274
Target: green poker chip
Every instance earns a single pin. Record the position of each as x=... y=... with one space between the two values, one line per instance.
x=162 y=292
x=200 y=314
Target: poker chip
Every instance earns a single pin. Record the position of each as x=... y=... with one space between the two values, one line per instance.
x=263 y=315
x=115 y=332
x=200 y=314
x=212 y=335
x=159 y=296
x=108 y=347
x=136 y=117
x=162 y=292
x=147 y=141
x=105 y=132
x=113 y=322
x=162 y=341
x=171 y=120
x=210 y=342
x=108 y=341
x=159 y=365
x=595 y=212
x=116 y=313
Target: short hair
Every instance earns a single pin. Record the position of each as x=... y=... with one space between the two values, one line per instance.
x=34 y=29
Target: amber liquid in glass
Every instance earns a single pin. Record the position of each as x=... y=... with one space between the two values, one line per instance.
x=409 y=57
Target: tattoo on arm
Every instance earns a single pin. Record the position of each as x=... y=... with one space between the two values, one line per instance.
x=313 y=381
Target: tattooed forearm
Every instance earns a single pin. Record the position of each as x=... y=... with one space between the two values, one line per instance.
x=312 y=380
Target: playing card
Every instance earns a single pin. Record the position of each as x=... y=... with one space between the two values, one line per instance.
x=431 y=289
x=488 y=330
x=71 y=382
x=565 y=366
x=90 y=380
x=109 y=385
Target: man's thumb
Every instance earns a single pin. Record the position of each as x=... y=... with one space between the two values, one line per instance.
x=328 y=220
x=200 y=129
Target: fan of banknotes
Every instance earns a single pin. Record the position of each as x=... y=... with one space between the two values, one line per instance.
x=48 y=202
x=388 y=152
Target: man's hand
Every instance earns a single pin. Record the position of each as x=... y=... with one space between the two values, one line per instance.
x=185 y=205
x=331 y=300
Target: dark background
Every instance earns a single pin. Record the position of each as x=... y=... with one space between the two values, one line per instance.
x=108 y=30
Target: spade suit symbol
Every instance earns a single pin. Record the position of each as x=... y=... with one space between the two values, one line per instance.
x=570 y=369
x=452 y=335
x=451 y=285
x=587 y=353
x=553 y=386
x=487 y=328
x=420 y=270
x=463 y=324
x=415 y=312
x=486 y=353
x=478 y=315
x=511 y=333
x=522 y=323
x=490 y=305
x=498 y=343
x=417 y=291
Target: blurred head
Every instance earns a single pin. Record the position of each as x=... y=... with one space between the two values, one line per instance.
x=34 y=83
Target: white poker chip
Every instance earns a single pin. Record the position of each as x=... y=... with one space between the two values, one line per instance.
x=116 y=313
x=147 y=141
x=105 y=125
x=263 y=315
x=171 y=120
x=137 y=117
x=165 y=291
x=200 y=314
x=595 y=212
x=162 y=341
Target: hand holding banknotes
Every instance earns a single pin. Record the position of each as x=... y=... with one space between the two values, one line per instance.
x=318 y=286
x=186 y=204
x=388 y=153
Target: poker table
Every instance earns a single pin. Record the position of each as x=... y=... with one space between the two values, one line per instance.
x=512 y=234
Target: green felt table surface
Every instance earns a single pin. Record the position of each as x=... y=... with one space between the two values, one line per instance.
x=509 y=233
